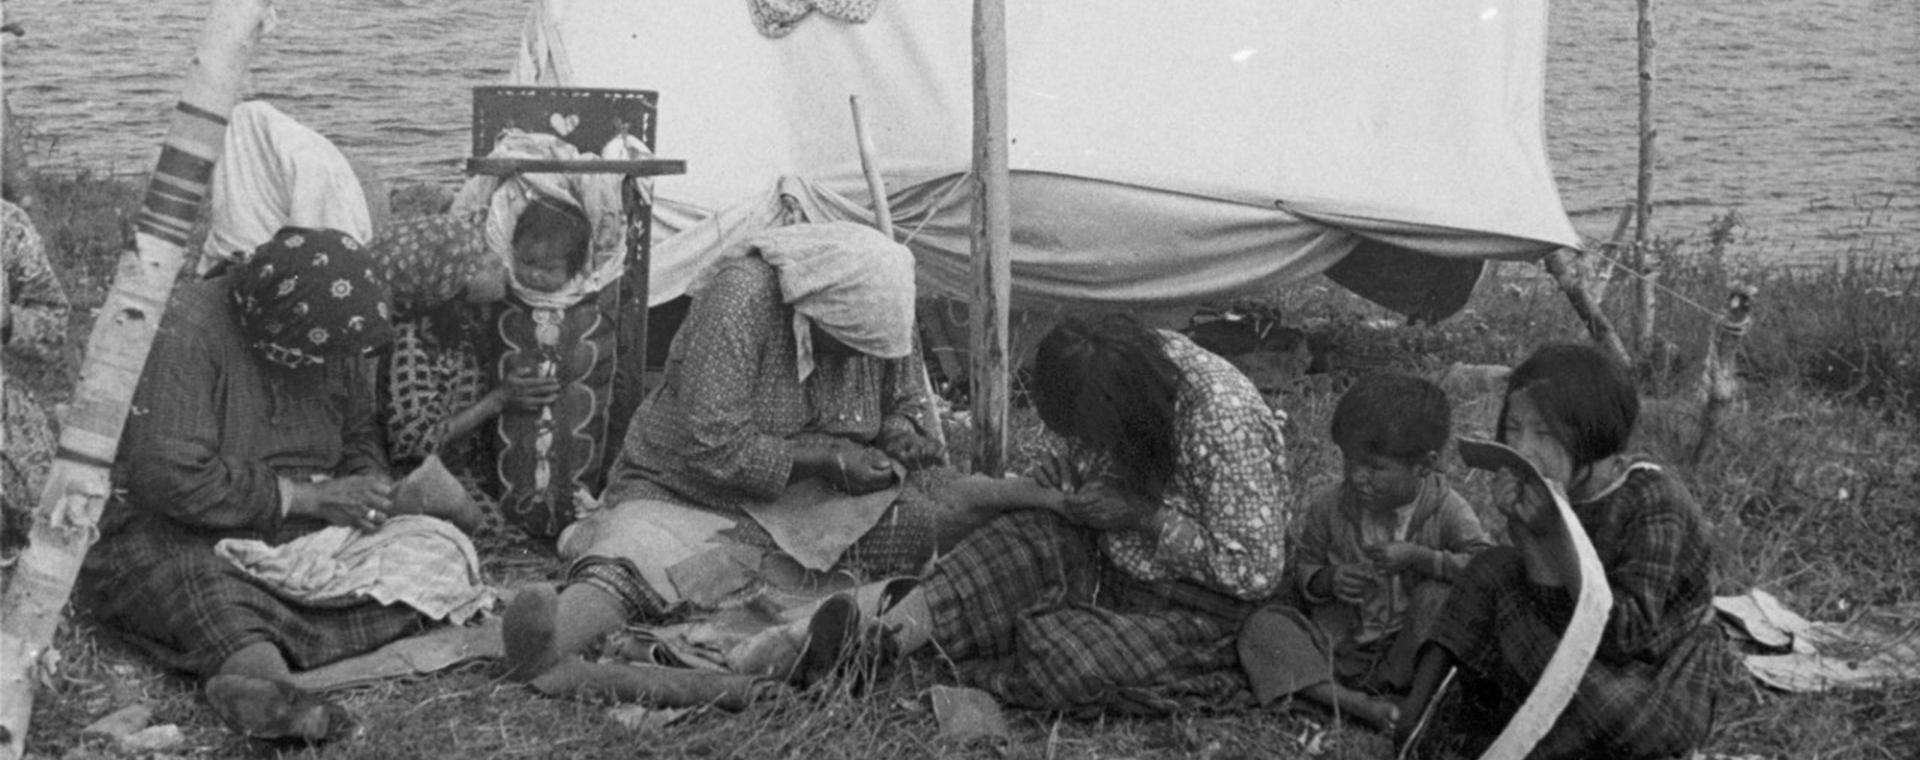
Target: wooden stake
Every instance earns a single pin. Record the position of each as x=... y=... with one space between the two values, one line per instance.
x=66 y=521
x=883 y=216
x=1599 y=275
x=992 y=238
x=1644 y=299
x=1564 y=274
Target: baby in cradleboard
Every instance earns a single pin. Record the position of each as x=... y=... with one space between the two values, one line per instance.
x=1372 y=563
x=1648 y=693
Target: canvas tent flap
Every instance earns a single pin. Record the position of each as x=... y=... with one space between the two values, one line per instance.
x=1161 y=153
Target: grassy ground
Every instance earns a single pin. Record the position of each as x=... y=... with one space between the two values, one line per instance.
x=1812 y=494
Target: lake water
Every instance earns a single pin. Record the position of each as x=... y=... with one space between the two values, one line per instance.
x=1802 y=115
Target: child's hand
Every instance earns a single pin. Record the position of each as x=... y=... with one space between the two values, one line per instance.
x=1529 y=507
x=526 y=390
x=1395 y=557
x=1352 y=582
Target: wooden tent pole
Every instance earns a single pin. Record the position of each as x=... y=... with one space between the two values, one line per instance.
x=883 y=216
x=992 y=238
x=65 y=523
x=1644 y=300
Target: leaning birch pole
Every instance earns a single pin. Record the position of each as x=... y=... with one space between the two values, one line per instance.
x=883 y=218
x=65 y=524
x=992 y=238
x=1644 y=302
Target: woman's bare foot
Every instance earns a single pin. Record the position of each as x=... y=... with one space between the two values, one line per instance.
x=528 y=632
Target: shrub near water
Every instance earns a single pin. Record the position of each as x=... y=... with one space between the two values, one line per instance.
x=1811 y=492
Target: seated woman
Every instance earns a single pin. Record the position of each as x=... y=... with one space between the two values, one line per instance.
x=437 y=388
x=252 y=421
x=443 y=271
x=1130 y=595
x=33 y=329
x=776 y=446
x=1649 y=691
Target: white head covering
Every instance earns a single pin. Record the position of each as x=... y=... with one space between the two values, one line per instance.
x=853 y=281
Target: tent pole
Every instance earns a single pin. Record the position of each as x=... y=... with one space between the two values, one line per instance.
x=883 y=217
x=66 y=521
x=992 y=238
x=1644 y=301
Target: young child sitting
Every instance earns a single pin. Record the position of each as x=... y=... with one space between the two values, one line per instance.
x=1649 y=690
x=1373 y=558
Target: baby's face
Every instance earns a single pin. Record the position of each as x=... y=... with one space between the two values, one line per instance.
x=540 y=263
x=1379 y=482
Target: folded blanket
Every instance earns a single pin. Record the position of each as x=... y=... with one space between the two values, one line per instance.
x=422 y=562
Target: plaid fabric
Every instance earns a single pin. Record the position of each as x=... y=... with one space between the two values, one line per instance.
x=1654 y=701
x=171 y=595
x=1036 y=616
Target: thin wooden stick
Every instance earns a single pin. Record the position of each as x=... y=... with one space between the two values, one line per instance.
x=992 y=238
x=883 y=215
x=1645 y=303
x=1559 y=264
x=65 y=524
x=1598 y=278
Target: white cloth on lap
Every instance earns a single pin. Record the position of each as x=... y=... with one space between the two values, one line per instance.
x=422 y=562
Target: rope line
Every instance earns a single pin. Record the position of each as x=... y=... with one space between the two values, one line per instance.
x=935 y=208
x=1656 y=284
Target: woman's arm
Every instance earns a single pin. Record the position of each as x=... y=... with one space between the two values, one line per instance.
x=723 y=338
x=170 y=453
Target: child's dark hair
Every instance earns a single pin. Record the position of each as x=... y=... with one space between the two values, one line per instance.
x=1585 y=398
x=547 y=218
x=1108 y=384
x=1392 y=415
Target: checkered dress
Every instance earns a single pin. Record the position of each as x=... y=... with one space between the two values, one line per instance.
x=1649 y=691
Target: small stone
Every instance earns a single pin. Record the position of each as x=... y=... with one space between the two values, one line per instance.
x=643 y=718
x=121 y=723
x=967 y=714
x=154 y=739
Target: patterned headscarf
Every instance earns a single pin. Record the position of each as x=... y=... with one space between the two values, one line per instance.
x=309 y=294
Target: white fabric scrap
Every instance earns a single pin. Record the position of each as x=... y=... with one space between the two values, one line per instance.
x=1880 y=647
x=422 y=562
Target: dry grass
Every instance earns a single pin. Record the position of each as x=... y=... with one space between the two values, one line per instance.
x=1813 y=496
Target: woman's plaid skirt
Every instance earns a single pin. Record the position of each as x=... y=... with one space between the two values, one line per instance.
x=161 y=586
x=1033 y=613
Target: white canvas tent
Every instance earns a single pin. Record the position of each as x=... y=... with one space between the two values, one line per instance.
x=1161 y=153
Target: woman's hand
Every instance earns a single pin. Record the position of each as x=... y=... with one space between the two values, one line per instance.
x=1106 y=507
x=524 y=389
x=912 y=450
x=864 y=471
x=356 y=501
x=1055 y=471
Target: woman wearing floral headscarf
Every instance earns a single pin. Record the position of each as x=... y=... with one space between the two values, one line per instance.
x=253 y=420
